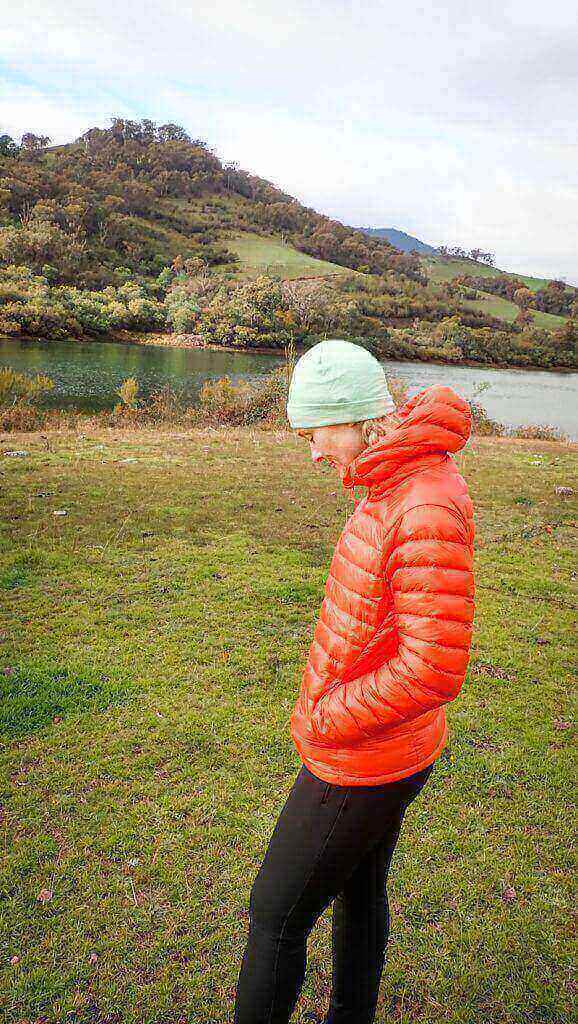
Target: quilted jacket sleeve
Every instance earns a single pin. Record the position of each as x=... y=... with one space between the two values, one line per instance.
x=429 y=574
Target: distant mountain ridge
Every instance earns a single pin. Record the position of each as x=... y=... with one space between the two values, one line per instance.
x=401 y=240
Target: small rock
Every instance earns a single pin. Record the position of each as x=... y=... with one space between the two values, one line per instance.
x=60 y=512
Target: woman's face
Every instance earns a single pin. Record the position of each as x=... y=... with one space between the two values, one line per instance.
x=337 y=444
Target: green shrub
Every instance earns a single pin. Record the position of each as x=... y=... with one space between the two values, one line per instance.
x=30 y=305
x=128 y=393
x=19 y=395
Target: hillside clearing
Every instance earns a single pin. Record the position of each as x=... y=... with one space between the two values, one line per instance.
x=438 y=269
x=153 y=638
x=495 y=305
x=260 y=254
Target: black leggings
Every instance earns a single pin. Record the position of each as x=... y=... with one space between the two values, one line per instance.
x=330 y=843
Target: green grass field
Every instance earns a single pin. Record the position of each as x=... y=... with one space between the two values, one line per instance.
x=259 y=254
x=445 y=270
x=494 y=305
x=439 y=269
x=153 y=639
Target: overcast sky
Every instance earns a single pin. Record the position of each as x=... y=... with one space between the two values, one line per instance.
x=455 y=122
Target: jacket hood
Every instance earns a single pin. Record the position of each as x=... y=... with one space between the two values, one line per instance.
x=434 y=423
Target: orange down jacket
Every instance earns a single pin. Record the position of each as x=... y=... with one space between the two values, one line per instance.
x=392 y=641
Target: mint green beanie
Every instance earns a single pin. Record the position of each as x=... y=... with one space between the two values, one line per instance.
x=336 y=381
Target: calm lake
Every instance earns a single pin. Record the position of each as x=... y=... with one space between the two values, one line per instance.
x=86 y=376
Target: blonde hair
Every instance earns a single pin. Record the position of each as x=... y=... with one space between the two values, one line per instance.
x=373 y=430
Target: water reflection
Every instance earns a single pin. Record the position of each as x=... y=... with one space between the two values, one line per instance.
x=87 y=375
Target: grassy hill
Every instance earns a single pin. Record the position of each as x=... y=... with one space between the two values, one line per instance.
x=440 y=269
x=494 y=305
x=140 y=227
x=138 y=194
x=259 y=254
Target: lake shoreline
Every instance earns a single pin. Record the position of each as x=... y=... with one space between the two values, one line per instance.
x=88 y=377
x=165 y=340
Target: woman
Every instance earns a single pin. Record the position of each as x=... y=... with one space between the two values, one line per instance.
x=390 y=649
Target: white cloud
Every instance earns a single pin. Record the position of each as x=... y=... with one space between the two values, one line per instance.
x=27 y=108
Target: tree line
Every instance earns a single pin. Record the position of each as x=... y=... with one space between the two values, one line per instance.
x=456 y=252
x=189 y=298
